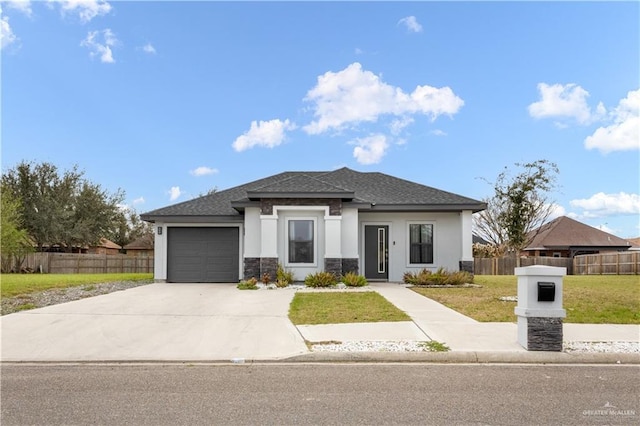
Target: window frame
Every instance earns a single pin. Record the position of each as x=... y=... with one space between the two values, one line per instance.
x=314 y=243
x=433 y=244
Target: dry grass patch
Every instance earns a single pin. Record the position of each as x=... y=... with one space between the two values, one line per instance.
x=17 y=284
x=342 y=307
x=592 y=299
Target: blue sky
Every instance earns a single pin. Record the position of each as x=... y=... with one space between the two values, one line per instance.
x=167 y=100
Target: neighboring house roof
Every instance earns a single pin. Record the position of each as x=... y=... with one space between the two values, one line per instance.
x=565 y=233
x=104 y=243
x=476 y=239
x=143 y=243
x=635 y=242
x=372 y=190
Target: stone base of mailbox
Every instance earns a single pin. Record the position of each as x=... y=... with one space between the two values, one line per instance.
x=540 y=333
x=539 y=309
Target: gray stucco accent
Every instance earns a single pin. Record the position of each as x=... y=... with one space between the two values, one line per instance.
x=251 y=268
x=335 y=205
x=544 y=334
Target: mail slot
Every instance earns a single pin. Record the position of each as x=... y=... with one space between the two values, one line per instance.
x=546 y=292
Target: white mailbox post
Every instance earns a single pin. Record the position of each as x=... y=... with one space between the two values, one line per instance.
x=539 y=309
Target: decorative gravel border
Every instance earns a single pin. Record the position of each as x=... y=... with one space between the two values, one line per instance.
x=40 y=299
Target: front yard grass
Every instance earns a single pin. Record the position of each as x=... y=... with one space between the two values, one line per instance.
x=588 y=299
x=18 y=284
x=342 y=307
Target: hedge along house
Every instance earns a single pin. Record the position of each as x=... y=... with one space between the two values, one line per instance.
x=339 y=221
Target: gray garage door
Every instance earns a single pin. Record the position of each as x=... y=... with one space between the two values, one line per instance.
x=203 y=255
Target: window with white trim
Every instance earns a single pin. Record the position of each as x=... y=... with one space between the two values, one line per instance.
x=301 y=241
x=420 y=243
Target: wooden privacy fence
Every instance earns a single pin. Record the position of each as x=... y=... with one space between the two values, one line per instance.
x=73 y=263
x=618 y=263
x=507 y=265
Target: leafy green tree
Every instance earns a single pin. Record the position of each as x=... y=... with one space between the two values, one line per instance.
x=14 y=241
x=61 y=207
x=128 y=227
x=520 y=204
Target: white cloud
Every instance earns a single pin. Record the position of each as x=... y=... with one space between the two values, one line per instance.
x=100 y=43
x=564 y=101
x=353 y=95
x=139 y=200
x=23 y=6
x=6 y=33
x=557 y=211
x=602 y=204
x=203 y=171
x=85 y=9
x=399 y=124
x=411 y=23
x=624 y=133
x=174 y=193
x=358 y=51
x=263 y=133
x=438 y=132
x=371 y=149
x=148 y=48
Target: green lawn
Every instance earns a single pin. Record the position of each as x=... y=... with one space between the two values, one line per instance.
x=16 y=284
x=342 y=307
x=594 y=299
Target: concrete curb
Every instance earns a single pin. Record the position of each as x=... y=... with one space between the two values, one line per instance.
x=388 y=357
x=471 y=357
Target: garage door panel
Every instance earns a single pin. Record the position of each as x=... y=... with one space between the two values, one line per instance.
x=203 y=254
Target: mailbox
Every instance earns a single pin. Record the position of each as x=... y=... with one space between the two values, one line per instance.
x=546 y=291
x=539 y=311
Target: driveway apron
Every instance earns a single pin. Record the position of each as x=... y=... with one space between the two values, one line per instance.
x=157 y=322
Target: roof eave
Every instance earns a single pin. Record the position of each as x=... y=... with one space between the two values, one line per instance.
x=428 y=207
x=302 y=194
x=192 y=218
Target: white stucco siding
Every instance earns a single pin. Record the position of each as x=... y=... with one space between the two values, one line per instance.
x=447 y=236
x=160 y=253
x=466 y=235
x=350 y=232
x=252 y=232
x=284 y=214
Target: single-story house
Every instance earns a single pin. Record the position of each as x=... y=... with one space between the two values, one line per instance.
x=566 y=237
x=142 y=246
x=338 y=221
x=104 y=246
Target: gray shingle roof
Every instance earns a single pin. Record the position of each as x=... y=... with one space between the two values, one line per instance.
x=382 y=191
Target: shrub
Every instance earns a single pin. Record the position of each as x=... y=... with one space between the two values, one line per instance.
x=266 y=278
x=417 y=278
x=320 y=279
x=284 y=277
x=440 y=277
x=250 y=284
x=351 y=279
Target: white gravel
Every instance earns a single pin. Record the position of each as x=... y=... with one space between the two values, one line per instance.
x=602 y=347
x=372 y=346
x=418 y=346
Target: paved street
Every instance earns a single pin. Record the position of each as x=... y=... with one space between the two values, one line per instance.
x=283 y=394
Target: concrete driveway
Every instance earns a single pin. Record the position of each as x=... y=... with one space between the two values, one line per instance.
x=156 y=322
